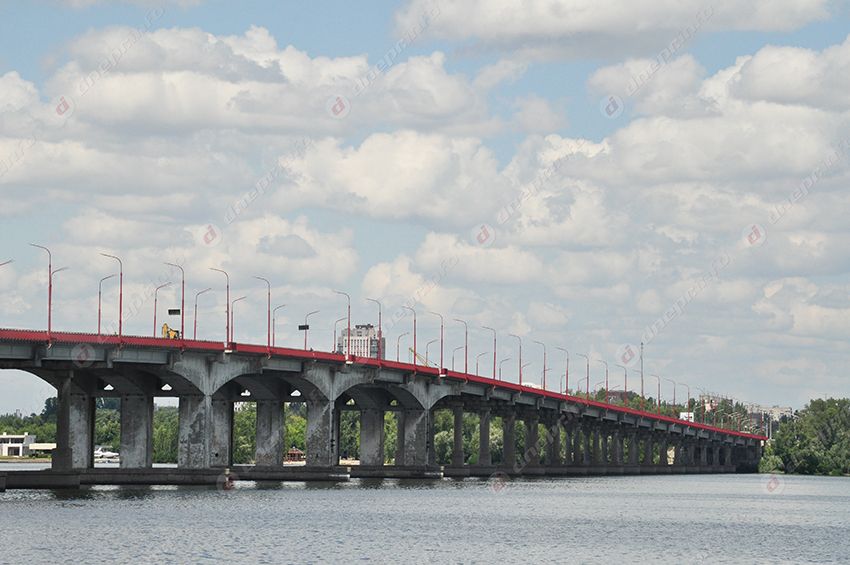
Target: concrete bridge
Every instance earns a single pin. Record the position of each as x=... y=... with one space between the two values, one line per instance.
x=582 y=436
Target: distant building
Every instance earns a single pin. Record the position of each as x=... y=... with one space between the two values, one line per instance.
x=768 y=418
x=364 y=342
x=16 y=445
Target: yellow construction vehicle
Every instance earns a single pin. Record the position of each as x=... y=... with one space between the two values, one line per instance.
x=168 y=333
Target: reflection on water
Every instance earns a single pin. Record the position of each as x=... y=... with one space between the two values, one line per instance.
x=716 y=518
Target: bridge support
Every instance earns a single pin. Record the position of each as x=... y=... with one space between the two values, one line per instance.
x=372 y=437
x=270 y=433
x=553 y=443
x=568 y=442
x=74 y=429
x=509 y=440
x=322 y=445
x=457 y=448
x=531 y=457
x=484 y=458
x=399 y=438
x=417 y=438
x=648 y=455
x=136 y=431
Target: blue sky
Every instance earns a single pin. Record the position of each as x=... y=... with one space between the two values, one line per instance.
x=471 y=114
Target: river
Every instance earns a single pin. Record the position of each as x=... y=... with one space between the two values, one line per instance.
x=672 y=519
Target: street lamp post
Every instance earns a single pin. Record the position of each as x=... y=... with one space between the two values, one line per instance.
x=586 y=376
x=54 y=274
x=336 y=325
x=455 y=350
x=465 y=346
x=233 y=317
x=477 y=357
x=606 y=379
x=348 y=333
x=100 y=299
x=442 y=330
x=658 y=400
x=566 y=371
x=268 y=313
x=674 y=392
x=195 y=316
x=519 y=339
x=625 y=384
x=381 y=352
x=155 y=301
x=49 y=290
x=398 y=346
x=120 y=294
x=500 y=366
x=226 y=304
x=307 y=326
x=494 y=352
x=182 y=298
x=427 y=347
x=414 y=333
x=543 y=345
x=274 y=321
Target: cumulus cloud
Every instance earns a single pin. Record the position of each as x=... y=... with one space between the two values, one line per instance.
x=583 y=26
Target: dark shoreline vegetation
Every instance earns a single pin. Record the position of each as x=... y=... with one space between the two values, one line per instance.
x=816 y=442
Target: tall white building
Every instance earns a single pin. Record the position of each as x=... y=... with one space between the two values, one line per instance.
x=364 y=342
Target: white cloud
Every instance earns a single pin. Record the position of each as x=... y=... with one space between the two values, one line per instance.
x=585 y=26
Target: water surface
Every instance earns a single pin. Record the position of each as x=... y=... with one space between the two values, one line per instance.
x=673 y=519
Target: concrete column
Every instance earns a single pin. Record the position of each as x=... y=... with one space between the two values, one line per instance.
x=568 y=444
x=663 y=459
x=715 y=454
x=553 y=444
x=136 y=431
x=74 y=429
x=192 y=440
x=602 y=454
x=589 y=452
x=647 y=449
x=617 y=447
x=416 y=441
x=457 y=450
x=532 y=453
x=703 y=454
x=678 y=453
x=399 y=441
x=322 y=447
x=270 y=434
x=372 y=437
x=727 y=455
x=221 y=436
x=633 y=449
x=509 y=440
x=484 y=458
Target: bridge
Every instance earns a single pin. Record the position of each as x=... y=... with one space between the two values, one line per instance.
x=582 y=436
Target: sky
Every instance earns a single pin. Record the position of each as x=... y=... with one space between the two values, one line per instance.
x=584 y=175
